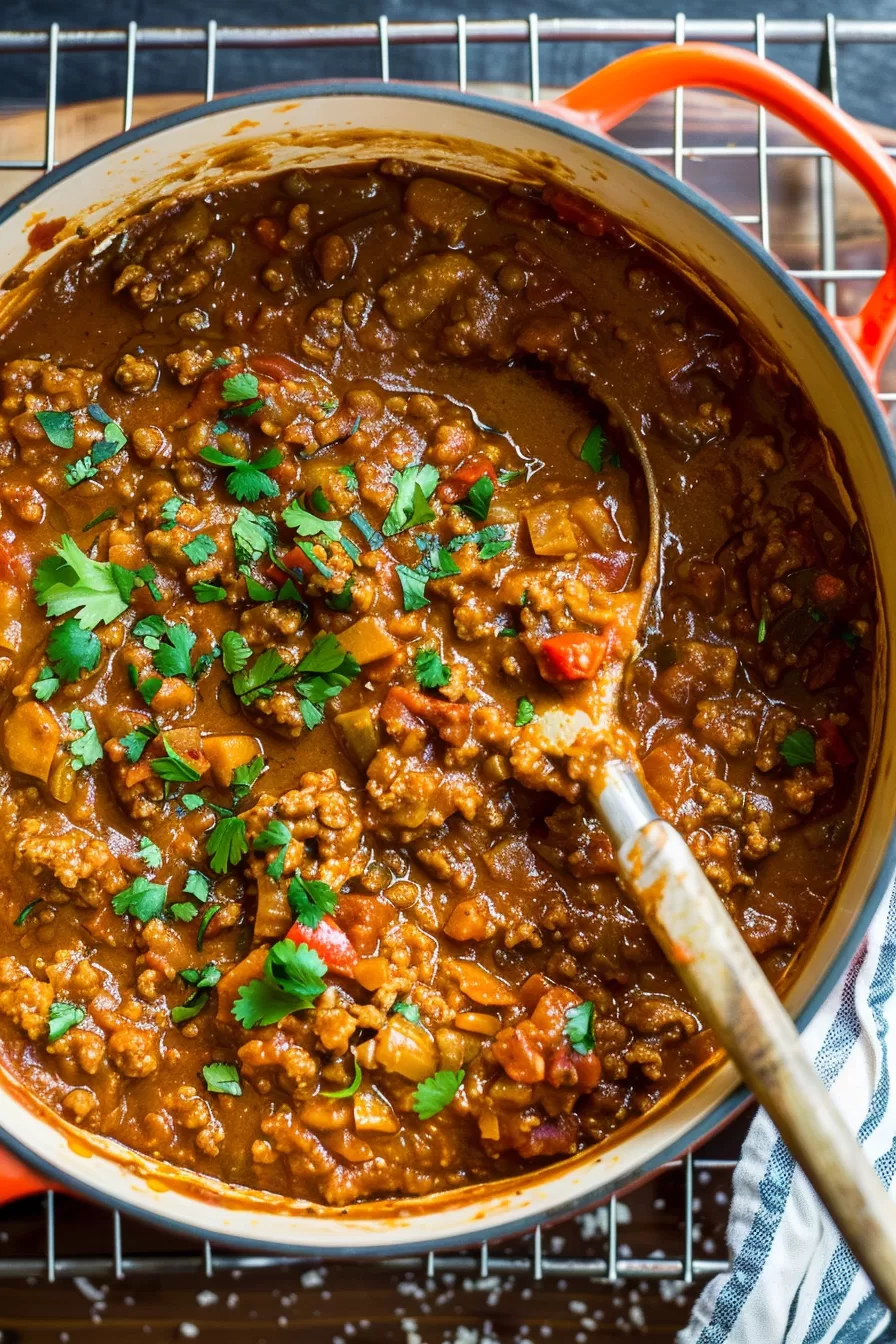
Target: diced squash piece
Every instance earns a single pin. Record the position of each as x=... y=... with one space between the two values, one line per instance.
x=595 y=519
x=550 y=529
x=250 y=968
x=226 y=752
x=406 y=1048
x=30 y=739
x=479 y=984
x=367 y=640
x=327 y=1112
x=361 y=734
x=373 y=1114
x=371 y=973
x=126 y=549
x=61 y=780
x=442 y=207
x=481 y=1024
x=470 y=921
x=273 y=917
x=489 y=1126
x=188 y=745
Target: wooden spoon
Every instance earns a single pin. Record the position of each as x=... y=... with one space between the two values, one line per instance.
x=703 y=944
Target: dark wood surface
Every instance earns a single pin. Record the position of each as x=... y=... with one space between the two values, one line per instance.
x=360 y=1302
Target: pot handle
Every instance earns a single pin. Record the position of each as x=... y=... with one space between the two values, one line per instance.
x=17 y=1180
x=619 y=89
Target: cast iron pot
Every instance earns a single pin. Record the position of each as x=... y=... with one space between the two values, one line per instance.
x=836 y=362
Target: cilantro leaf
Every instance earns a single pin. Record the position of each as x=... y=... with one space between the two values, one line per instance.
x=245 y=776
x=221 y=1077
x=86 y=749
x=45 y=684
x=306 y=524
x=507 y=477
x=410 y=1011
x=325 y=670
x=525 y=712
x=104 y=517
x=293 y=978
x=310 y=901
x=174 y=768
x=150 y=630
x=347 y=1091
x=327 y=655
x=798 y=748
x=149 y=852
x=341 y=601
x=413 y=487
x=136 y=742
x=592 y=453
x=26 y=910
x=62 y=1017
x=84 y=469
x=429 y=669
x=235 y=651
x=209 y=592
x=307 y=548
x=199 y=548
x=201 y=982
x=580 y=1027
x=197 y=885
x=149 y=688
x=71 y=651
x=240 y=387
x=351 y=477
x=204 y=923
x=373 y=538
x=226 y=843
x=254 y=534
x=413 y=587
x=276 y=833
x=320 y=501
x=258 y=681
x=172 y=659
x=435 y=1093
x=246 y=481
x=143 y=899
x=70 y=580
x=761 y=631
x=59 y=427
x=479 y=498
x=169 y=511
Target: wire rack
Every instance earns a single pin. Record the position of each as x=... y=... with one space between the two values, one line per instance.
x=140 y=44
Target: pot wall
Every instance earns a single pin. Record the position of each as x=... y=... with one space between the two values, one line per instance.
x=260 y=134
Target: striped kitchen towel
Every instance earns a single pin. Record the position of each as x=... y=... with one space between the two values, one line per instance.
x=793 y=1280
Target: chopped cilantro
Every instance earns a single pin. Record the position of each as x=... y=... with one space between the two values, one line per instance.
x=221 y=362
x=275 y=834
x=72 y=650
x=310 y=901
x=592 y=453
x=201 y=981
x=199 y=548
x=86 y=749
x=240 y=387
x=347 y=1091
x=173 y=768
x=45 y=684
x=149 y=852
x=798 y=748
x=106 y=516
x=136 y=742
x=329 y=405
x=410 y=1011
x=525 y=712
x=325 y=670
x=172 y=657
x=306 y=524
x=150 y=630
x=149 y=688
x=256 y=591
x=341 y=601
x=245 y=776
x=429 y=669
x=307 y=548
x=761 y=632
x=143 y=899
x=59 y=427
x=254 y=535
x=169 y=511
x=235 y=651
x=319 y=501
x=370 y=534
x=221 y=1077
x=351 y=476
x=246 y=481
x=250 y=684
x=479 y=498
x=507 y=477
x=84 y=469
x=209 y=592
x=70 y=580
x=23 y=914
x=435 y=1093
x=413 y=487
x=203 y=925
x=226 y=843
x=580 y=1027
x=62 y=1017
x=293 y=978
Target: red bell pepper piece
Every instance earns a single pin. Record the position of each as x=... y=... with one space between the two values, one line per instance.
x=584 y=215
x=839 y=752
x=576 y=656
x=277 y=367
x=296 y=559
x=468 y=473
x=330 y=943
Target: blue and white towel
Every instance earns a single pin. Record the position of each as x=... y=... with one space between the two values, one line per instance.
x=793 y=1280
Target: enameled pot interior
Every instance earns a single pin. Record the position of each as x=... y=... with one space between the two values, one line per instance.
x=324 y=126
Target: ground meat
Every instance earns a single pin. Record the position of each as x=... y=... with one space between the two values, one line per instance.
x=79 y=862
x=24 y=999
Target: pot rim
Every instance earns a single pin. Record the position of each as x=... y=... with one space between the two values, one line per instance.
x=722 y=1111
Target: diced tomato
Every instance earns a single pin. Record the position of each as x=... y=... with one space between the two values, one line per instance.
x=576 y=656
x=828 y=589
x=277 y=367
x=839 y=751
x=330 y=943
x=269 y=232
x=365 y=918
x=208 y=401
x=468 y=473
x=588 y=218
x=15 y=564
x=296 y=559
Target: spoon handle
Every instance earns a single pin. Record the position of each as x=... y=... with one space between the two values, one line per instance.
x=735 y=999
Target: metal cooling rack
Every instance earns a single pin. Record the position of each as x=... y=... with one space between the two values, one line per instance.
x=134 y=42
